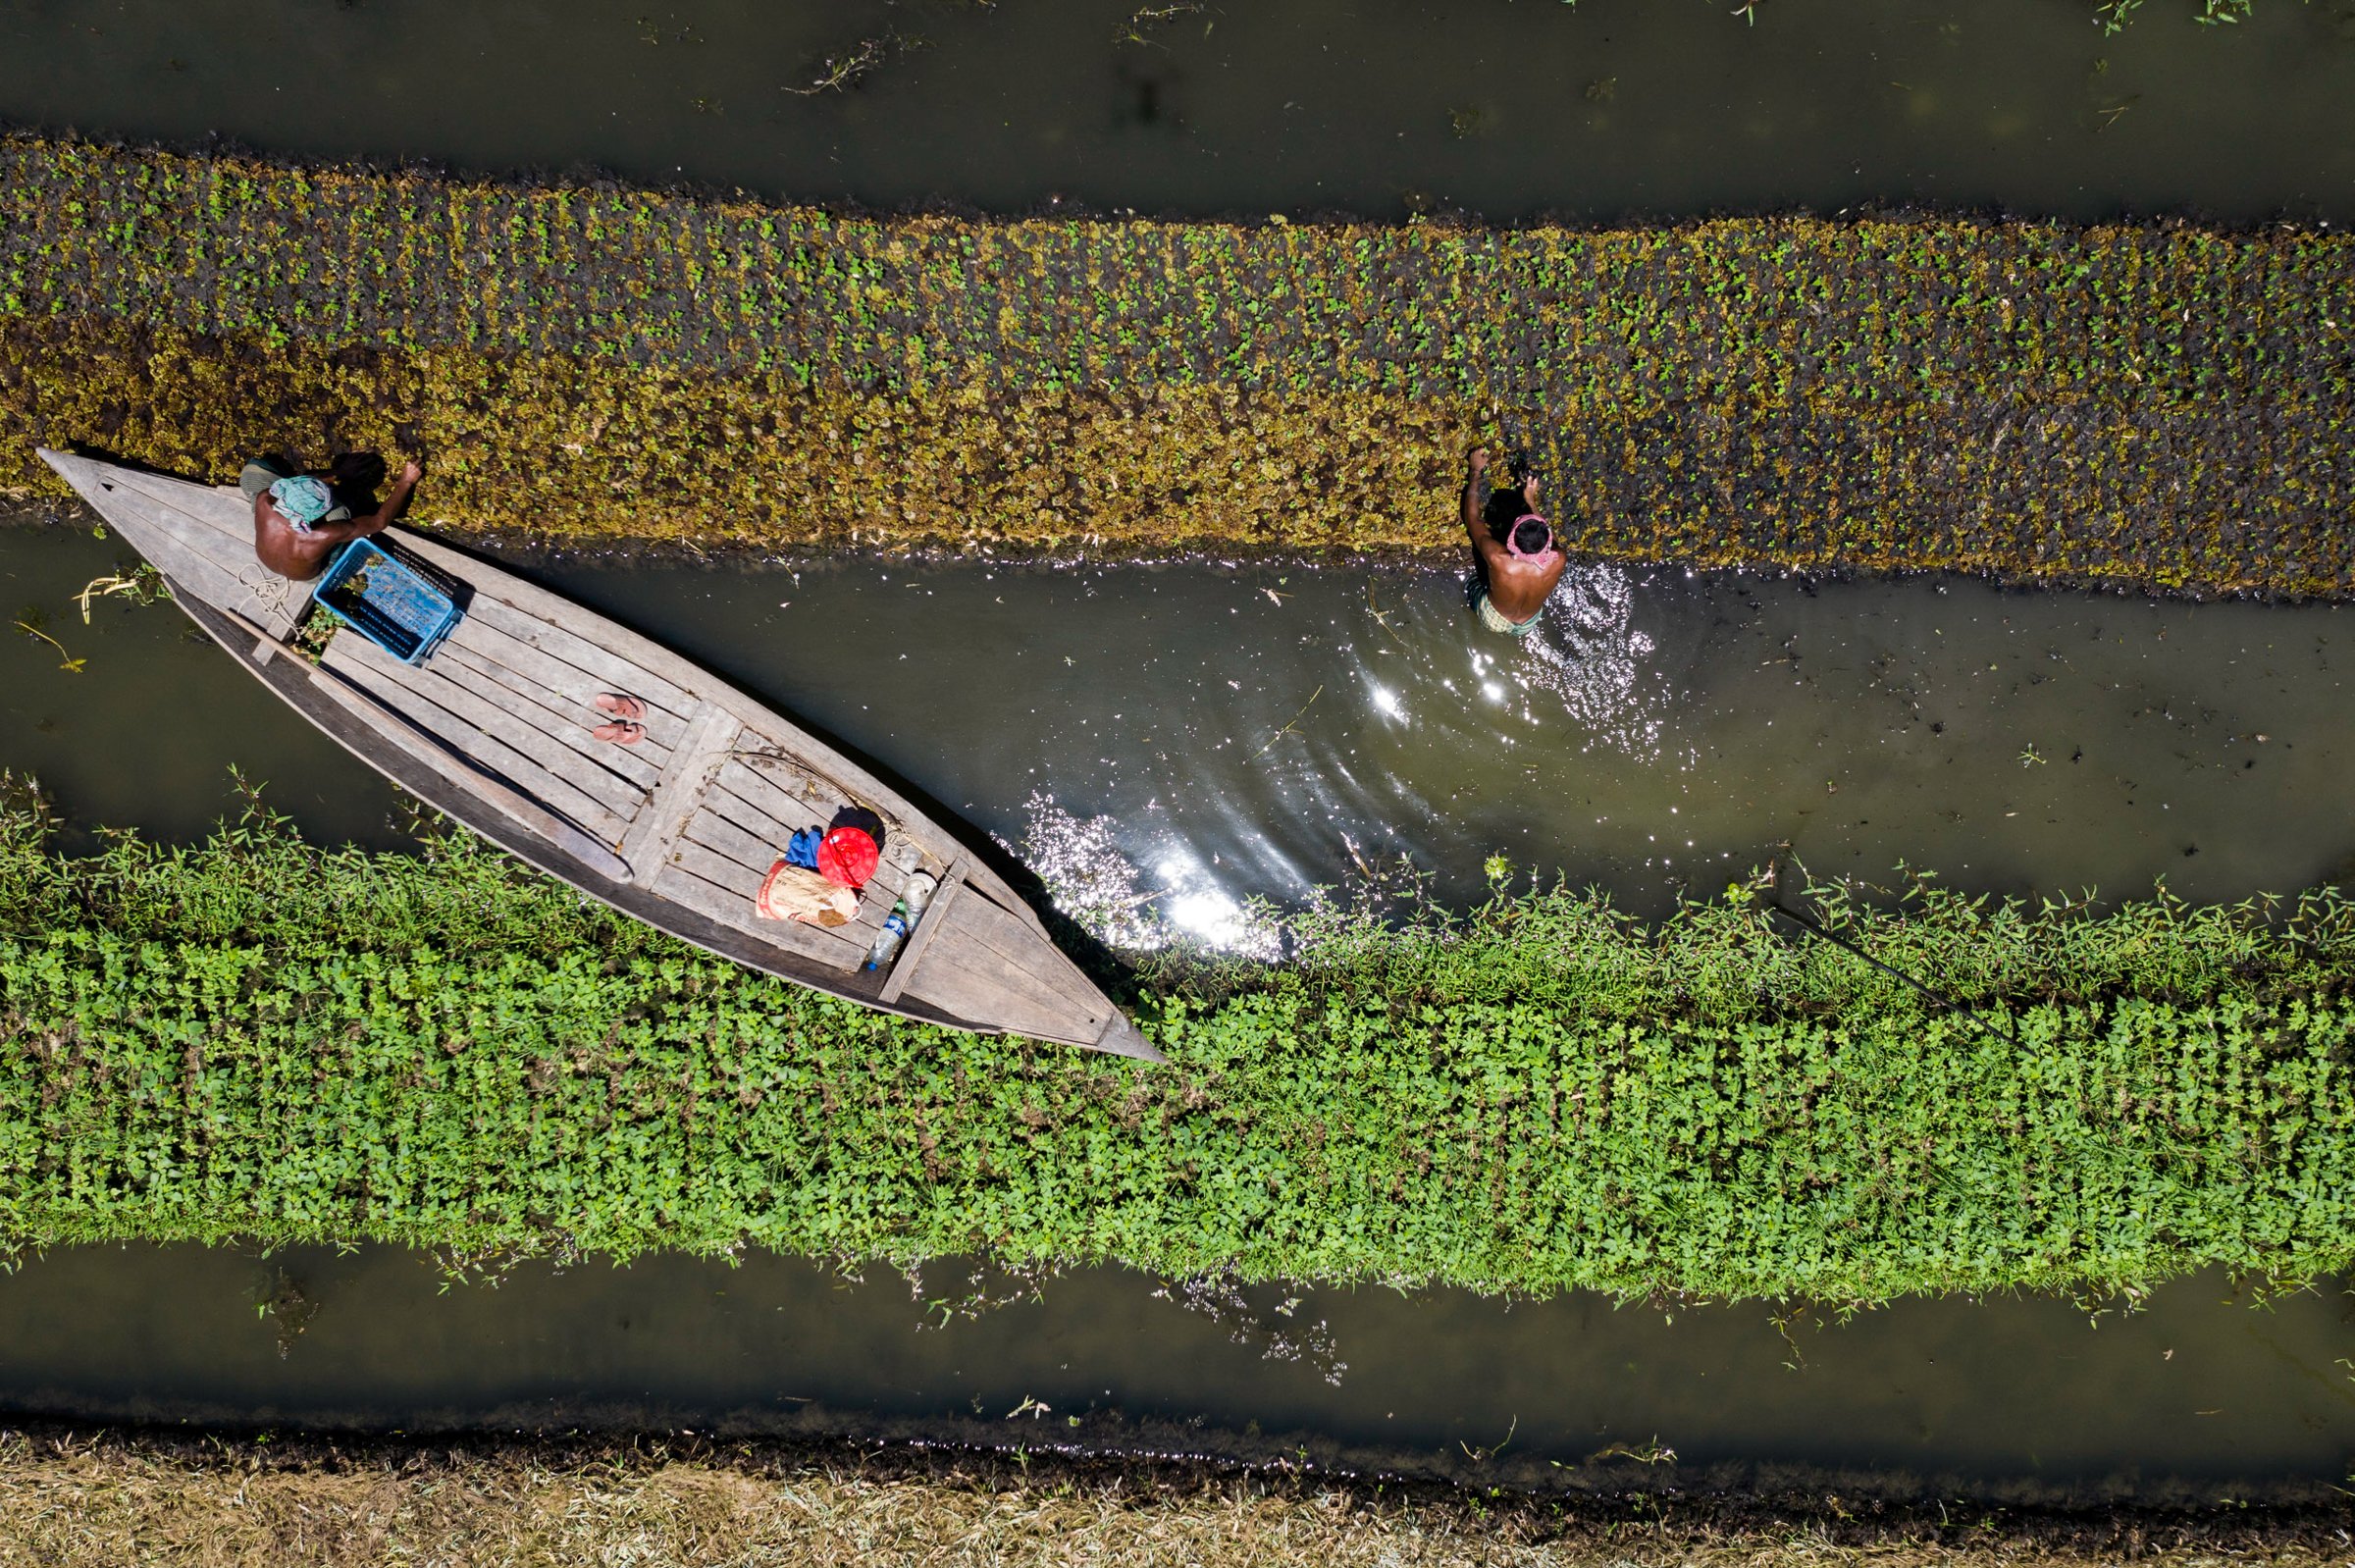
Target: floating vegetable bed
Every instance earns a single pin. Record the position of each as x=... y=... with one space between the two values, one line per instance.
x=258 y=1040
x=2153 y=405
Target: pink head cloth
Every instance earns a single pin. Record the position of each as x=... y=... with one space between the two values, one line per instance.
x=1512 y=547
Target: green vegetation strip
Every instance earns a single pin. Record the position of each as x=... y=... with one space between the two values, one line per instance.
x=2153 y=405
x=260 y=1040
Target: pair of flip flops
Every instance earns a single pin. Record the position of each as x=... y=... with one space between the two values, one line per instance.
x=623 y=728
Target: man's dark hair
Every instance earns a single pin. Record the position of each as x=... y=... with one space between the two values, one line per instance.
x=356 y=471
x=1531 y=536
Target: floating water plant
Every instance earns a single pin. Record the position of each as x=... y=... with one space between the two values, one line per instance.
x=2148 y=405
x=29 y=623
x=259 y=1040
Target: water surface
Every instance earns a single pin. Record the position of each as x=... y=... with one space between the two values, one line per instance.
x=1508 y=108
x=2201 y=1388
x=1188 y=737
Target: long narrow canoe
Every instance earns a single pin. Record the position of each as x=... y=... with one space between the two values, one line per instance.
x=493 y=730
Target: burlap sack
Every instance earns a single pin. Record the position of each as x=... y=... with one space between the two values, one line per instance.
x=790 y=893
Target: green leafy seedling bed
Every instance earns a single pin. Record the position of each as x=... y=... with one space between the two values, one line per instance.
x=2155 y=406
x=258 y=1040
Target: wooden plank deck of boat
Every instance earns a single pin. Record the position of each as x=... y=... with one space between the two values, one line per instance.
x=496 y=729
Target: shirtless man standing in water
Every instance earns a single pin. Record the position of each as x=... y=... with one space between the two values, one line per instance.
x=296 y=523
x=1515 y=558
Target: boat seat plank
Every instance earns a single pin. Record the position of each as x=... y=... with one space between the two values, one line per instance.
x=684 y=780
x=568 y=758
x=754 y=785
x=937 y=917
x=597 y=663
x=720 y=889
x=482 y=639
x=468 y=741
x=566 y=724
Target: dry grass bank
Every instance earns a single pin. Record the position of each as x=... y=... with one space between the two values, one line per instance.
x=84 y=1500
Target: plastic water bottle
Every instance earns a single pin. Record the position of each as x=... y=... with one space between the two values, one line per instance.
x=918 y=894
x=887 y=940
x=905 y=912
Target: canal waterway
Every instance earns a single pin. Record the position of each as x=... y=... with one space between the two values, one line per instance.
x=1371 y=107
x=2199 y=1393
x=1181 y=739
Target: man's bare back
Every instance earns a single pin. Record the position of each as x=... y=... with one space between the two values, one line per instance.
x=1515 y=586
x=301 y=554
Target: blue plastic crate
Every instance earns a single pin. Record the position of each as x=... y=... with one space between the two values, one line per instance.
x=389 y=596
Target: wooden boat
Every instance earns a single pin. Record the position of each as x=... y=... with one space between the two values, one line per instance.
x=679 y=830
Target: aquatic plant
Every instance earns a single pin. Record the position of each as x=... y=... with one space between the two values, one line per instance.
x=259 y=1040
x=2114 y=15
x=2152 y=405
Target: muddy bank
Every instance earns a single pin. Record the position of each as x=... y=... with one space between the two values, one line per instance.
x=71 y=1498
x=2154 y=405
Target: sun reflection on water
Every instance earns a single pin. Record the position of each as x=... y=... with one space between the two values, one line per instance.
x=1265 y=770
x=1587 y=661
x=1098 y=883
x=1591 y=658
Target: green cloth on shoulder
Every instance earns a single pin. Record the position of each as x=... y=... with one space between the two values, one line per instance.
x=260 y=473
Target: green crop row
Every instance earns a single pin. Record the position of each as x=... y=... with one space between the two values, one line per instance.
x=2158 y=405
x=258 y=1040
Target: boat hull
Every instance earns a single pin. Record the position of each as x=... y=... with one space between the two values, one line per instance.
x=675 y=832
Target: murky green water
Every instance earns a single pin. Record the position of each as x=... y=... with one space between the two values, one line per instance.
x=1257 y=732
x=2199 y=1390
x=1509 y=108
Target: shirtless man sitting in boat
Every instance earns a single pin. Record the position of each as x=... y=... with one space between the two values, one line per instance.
x=1514 y=557
x=298 y=523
